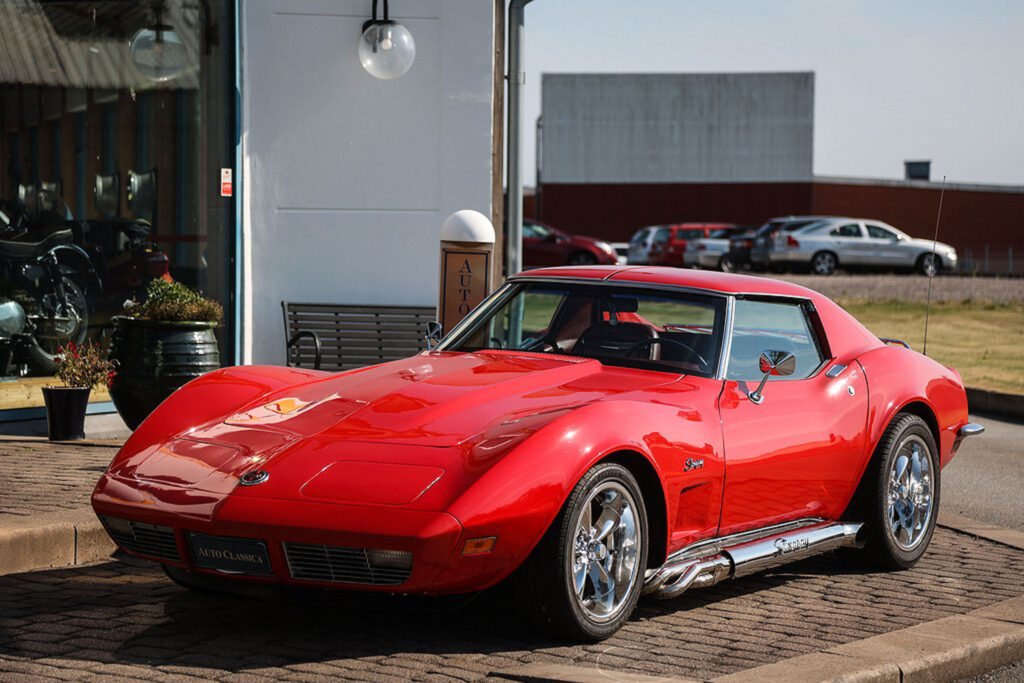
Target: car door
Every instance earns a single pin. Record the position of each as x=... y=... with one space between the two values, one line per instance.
x=886 y=248
x=792 y=455
x=541 y=246
x=849 y=243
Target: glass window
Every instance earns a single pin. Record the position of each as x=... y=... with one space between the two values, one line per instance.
x=878 y=232
x=534 y=231
x=848 y=230
x=690 y=234
x=661 y=236
x=112 y=151
x=638 y=328
x=770 y=326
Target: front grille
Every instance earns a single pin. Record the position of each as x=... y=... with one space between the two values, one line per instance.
x=145 y=539
x=347 y=565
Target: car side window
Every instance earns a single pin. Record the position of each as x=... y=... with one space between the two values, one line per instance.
x=881 y=233
x=848 y=230
x=535 y=230
x=760 y=326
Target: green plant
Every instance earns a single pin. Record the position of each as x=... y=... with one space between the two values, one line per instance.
x=83 y=367
x=174 y=302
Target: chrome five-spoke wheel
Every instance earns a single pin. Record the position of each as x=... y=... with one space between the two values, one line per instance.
x=604 y=553
x=583 y=579
x=910 y=493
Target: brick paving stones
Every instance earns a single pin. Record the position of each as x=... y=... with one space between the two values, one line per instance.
x=126 y=620
x=42 y=476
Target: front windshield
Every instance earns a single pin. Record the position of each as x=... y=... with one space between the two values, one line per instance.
x=634 y=327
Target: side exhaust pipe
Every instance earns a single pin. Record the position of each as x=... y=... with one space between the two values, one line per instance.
x=743 y=554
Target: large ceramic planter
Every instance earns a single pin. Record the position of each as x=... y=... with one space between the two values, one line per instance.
x=155 y=358
x=65 y=412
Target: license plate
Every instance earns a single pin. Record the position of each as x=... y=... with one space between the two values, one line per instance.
x=230 y=555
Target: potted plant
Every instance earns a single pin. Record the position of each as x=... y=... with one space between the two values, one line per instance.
x=80 y=368
x=159 y=345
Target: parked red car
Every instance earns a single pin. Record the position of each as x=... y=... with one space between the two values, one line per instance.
x=544 y=245
x=670 y=242
x=590 y=434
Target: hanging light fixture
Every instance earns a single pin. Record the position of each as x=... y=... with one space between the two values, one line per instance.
x=386 y=49
x=158 y=51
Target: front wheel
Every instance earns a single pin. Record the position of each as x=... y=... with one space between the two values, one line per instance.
x=583 y=580
x=929 y=264
x=898 y=499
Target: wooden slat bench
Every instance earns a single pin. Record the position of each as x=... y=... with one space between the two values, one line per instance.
x=338 y=337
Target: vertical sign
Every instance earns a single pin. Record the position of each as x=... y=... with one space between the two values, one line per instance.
x=465 y=280
x=225 y=182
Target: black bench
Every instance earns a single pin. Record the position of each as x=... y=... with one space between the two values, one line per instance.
x=337 y=337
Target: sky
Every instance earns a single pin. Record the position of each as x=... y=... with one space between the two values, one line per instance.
x=894 y=79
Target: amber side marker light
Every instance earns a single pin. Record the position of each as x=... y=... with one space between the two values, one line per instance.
x=479 y=546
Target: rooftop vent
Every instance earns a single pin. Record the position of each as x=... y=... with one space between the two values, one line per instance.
x=918 y=170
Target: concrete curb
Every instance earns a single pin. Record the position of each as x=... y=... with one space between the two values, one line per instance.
x=995 y=403
x=990 y=532
x=58 y=539
x=937 y=651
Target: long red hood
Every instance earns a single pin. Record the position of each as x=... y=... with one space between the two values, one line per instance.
x=425 y=405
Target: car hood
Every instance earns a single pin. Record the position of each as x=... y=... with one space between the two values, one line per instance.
x=927 y=244
x=415 y=418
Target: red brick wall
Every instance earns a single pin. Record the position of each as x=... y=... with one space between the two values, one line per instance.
x=615 y=211
x=970 y=218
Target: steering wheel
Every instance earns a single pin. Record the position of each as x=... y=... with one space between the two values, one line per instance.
x=498 y=343
x=541 y=343
x=660 y=340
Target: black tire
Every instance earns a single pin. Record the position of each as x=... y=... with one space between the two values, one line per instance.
x=543 y=585
x=824 y=263
x=582 y=258
x=929 y=264
x=870 y=504
x=726 y=264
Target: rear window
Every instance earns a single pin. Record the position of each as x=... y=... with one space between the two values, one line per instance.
x=689 y=234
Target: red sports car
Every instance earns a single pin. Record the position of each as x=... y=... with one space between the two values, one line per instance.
x=590 y=433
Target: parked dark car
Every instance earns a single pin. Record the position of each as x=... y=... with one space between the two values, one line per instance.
x=544 y=245
x=738 y=257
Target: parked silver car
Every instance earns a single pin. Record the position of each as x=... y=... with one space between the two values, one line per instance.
x=640 y=245
x=710 y=252
x=859 y=243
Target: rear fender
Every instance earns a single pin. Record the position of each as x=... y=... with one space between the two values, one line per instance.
x=520 y=496
x=898 y=377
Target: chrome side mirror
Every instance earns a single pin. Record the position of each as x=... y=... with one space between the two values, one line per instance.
x=434 y=333
x=772 y=364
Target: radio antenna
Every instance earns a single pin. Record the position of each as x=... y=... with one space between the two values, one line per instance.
x=931 y=276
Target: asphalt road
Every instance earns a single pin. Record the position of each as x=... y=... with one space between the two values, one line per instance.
x=985 y=480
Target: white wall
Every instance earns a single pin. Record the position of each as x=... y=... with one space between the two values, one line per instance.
x=672 y=128
x=346 y=179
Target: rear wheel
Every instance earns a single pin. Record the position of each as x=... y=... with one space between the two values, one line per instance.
x=726 y=264
x=583 y=579
x=824 y=263
x=898 y=499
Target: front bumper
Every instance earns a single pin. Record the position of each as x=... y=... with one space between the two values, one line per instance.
x=432 y=538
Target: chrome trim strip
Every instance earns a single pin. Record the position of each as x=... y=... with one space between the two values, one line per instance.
x=836 y=370
x=726 y=348
x=970 y=429
x=889 y=340
x=714 y=545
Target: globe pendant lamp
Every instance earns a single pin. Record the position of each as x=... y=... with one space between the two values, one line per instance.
x=158 y=51
x=386 y=48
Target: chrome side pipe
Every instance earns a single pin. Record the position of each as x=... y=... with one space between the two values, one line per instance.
x=748 y=553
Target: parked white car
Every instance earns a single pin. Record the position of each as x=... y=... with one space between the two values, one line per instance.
x=640 y=245
x=859 y=243
x=709 y=252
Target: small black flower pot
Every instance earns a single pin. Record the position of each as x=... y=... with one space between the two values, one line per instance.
x=65 y=412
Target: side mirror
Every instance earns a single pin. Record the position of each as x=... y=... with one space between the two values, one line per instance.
x=434 y=333
x=772 y=364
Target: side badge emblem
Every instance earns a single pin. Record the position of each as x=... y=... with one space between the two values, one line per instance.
x=692 y=464
x=253 y=477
